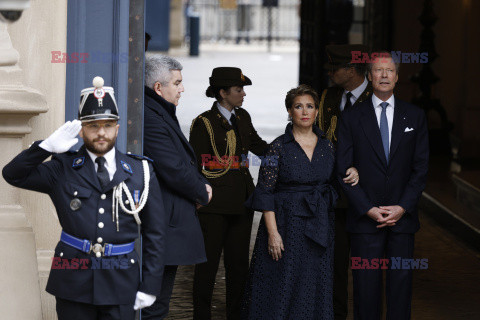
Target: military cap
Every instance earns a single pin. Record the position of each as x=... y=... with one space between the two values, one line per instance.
x=340 y=55
x=228 y=77
x=97 y=102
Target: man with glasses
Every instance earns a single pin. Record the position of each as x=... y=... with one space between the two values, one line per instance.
x=387 y=141
x=104 y=201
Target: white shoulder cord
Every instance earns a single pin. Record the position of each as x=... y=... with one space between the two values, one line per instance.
x=122 y=187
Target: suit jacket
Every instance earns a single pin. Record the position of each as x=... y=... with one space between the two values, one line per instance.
x=72 y=175
x=401 y=182
x=231 y=190
x=181 y=184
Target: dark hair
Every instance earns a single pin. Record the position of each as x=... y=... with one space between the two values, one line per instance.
x=214 y=92
x=383 y=54
x=301 y=90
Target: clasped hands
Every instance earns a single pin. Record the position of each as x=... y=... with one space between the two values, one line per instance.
x=386 y=216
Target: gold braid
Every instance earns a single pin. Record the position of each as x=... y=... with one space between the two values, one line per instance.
x=331 y=130
x=320 y=112
x=230 y=150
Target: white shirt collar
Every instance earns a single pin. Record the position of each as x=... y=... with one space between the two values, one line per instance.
x=224 y=111
x=376 y=101
x=357 y=92
x=110 y=163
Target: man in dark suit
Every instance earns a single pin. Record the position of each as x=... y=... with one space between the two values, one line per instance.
x=386 y=139
x=351 y=87
x=95 y=270
x=183 y=187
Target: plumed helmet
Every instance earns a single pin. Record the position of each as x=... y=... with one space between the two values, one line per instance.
x=97 y=102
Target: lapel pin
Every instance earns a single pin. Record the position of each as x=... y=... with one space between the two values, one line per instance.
x=126 y=167
x=77 y=162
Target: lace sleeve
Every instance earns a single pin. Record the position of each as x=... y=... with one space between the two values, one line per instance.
x=262 y=198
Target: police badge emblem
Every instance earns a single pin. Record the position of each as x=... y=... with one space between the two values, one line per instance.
x=75 y=204
x=126 y=167
x=77 y=162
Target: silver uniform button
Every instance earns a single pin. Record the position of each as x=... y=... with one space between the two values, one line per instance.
x=99 y=240
x=61 y=254
x=103 y=196
x=101 y=210
x=127 y=202
x=75 y=193
x=132 y=261
x=100 y=225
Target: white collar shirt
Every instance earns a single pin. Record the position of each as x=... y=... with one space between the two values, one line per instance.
x=356 y=93
x=225 y=113
x=389 y=111
x=110 y=163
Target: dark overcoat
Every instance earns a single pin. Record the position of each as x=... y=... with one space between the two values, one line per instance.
x=181 y=184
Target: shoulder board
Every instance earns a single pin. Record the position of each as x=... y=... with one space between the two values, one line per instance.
x=139 y=157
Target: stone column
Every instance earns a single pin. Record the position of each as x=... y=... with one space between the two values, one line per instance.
x=177 y=23
x=19 y=282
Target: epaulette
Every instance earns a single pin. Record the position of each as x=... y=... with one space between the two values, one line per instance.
x=139 y=157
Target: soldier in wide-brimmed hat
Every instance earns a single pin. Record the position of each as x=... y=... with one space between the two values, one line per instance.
x=222 y=138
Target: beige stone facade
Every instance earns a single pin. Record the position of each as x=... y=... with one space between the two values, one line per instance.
x=32 y=105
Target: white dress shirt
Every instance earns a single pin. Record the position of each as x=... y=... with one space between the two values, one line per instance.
x=378 y=111
x=356 y=93
x=110 y=163
x=224 y=111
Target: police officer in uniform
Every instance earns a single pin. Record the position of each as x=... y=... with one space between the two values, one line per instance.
x=350 y=88
x=222 y=138
x=103 y=199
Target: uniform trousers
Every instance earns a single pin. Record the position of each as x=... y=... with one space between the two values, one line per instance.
x=72 y=310
x=367 y=283
x=159 y=309
x=230 y=233
x=341 y=262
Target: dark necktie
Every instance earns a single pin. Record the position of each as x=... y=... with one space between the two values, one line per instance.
x=233 y=121
x=102 y=172
x=348 y=104
x=384 y=129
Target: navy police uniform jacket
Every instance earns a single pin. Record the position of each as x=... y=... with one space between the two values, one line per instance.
x=181 y=184
x=72 y=175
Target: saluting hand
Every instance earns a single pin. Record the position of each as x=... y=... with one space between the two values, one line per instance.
x=63 y=138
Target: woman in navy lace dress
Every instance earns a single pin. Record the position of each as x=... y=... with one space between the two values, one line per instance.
x=291 y=272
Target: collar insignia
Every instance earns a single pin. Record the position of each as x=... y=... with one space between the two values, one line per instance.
x=126 y=167
x=78 y=162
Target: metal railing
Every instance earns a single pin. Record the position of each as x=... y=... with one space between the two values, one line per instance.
x=247 y=20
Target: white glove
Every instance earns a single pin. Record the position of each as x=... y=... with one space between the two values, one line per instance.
x=63 y=138
x=143 y=300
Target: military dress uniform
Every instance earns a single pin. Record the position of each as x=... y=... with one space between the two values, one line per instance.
x=328 y=120
x=95 y=271
x=226 y=223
